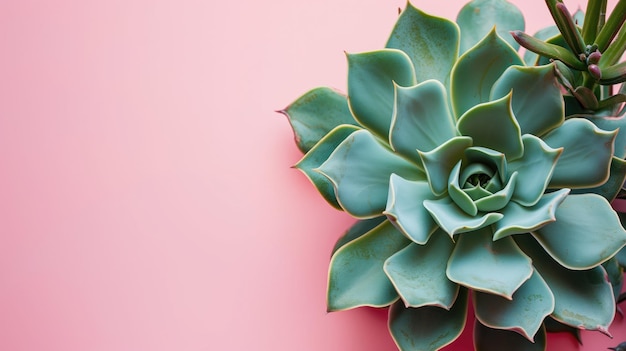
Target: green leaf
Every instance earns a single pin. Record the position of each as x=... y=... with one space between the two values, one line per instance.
x=461 y=198
x=493 y=125
x=315 y=114
x=524 y=314
x=536 y=101
x=519 y=219
x=421 y=119
x=477 y=18
x=586 y=232
x=317 y=155
x=535 y=170
x=439 y=162
x=360 y=168
x=454 y=220
x=356 y=276
x=481 y=264
x=418 y=273
x=611 y=124
x=583 y=299
x=371 y=77
x=611 y=27
x=359 y=228
x=477 y=69
x=611 y=187
x=431 y=42
x=499 y=199
x=586 y=158
x=489 y=339
x=428 y=327
x=405 y=209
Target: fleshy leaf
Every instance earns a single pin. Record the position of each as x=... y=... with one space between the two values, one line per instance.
x=583 y=299
x=317 y=155
x=431 y=42
x=586 y=232
x=405 y=209
x=456 y=193
x=497 y=200
x=316 y=113
x=421 y=119
x=418 y=273
x=490 y=157
x=478 y=17
x=535 y=170
x=495 y=267
x=489 y=339
x=586 y=158
x=493 y=125
x=360 y=168
x=356 y=230
x=610 y=123
x=531 y=303
x=428 y=327
x=356 y=276
x=537 y=102
x=477 y=70
x=454 y=220
x=439 y=162
x=371 y=77
x=611 y=187
x=520 y=219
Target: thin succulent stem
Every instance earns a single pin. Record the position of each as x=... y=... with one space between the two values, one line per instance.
x=612 y=26
x=612 y=100
x=615 y=51
x=615 y=74
x=593 y=14
x=570 y=31
x=548 y=50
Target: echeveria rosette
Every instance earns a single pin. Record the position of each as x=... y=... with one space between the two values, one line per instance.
x=462 y=171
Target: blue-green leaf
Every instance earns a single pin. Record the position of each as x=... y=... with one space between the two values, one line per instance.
x=518 y=219
x=583 y=299
x=586 y=232
x=613 y=185
x=495 y=267
x=406 y=211
x=429 y=327
x=360 y=168
x=478 y=17
x=586 y=158
x=421 y=119
x=535 y=170
x=531 y=303
x=317 y=155
x=493 y=125
x=611 y=123
x=431 y=42
x=454 y=220
x=358 y=229
x=419 y=273
x=536 y=101
x=356 y=276
x=439 y=162
x=477 y=70
x=371 y=77
x=316 y=113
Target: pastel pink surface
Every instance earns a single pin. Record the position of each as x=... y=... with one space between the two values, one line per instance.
x=147 y=200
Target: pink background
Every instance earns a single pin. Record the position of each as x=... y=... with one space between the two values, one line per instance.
x=146 y=196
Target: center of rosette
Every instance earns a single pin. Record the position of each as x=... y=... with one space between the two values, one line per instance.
x=479 y=182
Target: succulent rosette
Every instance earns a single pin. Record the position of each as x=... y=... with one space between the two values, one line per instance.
x=470 y=186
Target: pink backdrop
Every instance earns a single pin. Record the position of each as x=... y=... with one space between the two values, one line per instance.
x=146 y=196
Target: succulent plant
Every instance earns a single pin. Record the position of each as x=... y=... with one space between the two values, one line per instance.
x=469 y=185
x=589 y=46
